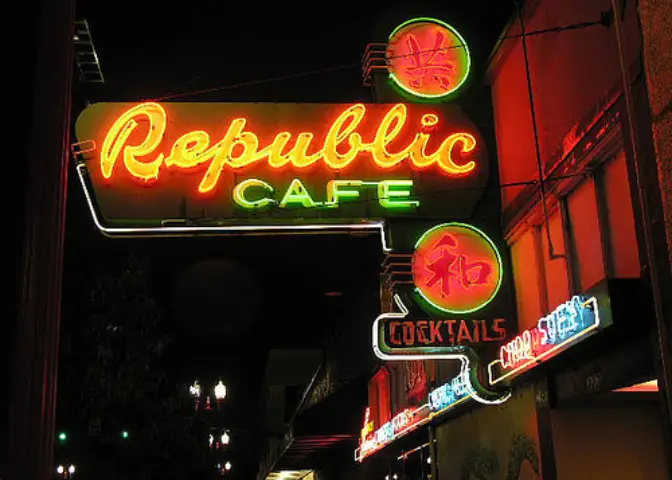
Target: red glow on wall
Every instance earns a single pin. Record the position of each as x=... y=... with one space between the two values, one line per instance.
x=456 y=268
x=427 y=58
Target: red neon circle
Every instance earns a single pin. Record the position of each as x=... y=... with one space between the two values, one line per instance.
x=427 y=58
x=456 y=268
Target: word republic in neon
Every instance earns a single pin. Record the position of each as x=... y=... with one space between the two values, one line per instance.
x=566 y=324
x=449 y=394
x=136 y=140
x=441 y=333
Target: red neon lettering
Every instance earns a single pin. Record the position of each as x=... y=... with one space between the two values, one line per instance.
x=393 y=329
x=434 y=332
x=421 y=333
x=239 y=148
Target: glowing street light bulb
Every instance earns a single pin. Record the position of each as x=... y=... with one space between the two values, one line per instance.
x=220 y=391
x=195 y=389
x=62 y=436
x=211 y=439
x=71 y=469
x=60 y=469
x=225 y=438
x=227 y=466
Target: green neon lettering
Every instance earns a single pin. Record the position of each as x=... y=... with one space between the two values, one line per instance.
x=390 y=193
x=336 y=189
x=240 y=198
x=297 y=194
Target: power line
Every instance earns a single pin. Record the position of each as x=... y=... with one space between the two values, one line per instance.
x=605 y=20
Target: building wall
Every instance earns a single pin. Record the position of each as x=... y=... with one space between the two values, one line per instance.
x=493 y=442
x=614 y=440
x=573 y=73
x=656 y=24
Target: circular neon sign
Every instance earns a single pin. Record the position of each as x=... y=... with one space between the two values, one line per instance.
x=427 y=58
x=456 y=268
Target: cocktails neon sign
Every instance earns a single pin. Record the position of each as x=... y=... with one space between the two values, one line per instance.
x=567 y=324
x=456 y=269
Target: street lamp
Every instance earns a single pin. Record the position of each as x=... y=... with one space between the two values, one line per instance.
x=227 y=466
x=225 y=438
x=195 y=391
x=65 y=473
x=220 y=391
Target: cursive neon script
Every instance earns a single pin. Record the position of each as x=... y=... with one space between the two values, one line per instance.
x=239 y=148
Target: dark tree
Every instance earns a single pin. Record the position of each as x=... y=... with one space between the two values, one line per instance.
x=125 y=388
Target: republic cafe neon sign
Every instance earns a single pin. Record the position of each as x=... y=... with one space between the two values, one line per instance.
x=567 y=324
x=138 y=163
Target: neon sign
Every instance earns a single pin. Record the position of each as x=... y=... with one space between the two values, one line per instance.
x=426 y=333
x=146 y=166
x=390 y=194
x=456 y=268
x=460 y=389
x=240 y=148
x=427 y=58
x=405 y=421
x=449 y=394
x=567 y=324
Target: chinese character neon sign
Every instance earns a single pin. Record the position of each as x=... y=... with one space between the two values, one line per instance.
x=565 y=325
x=427 y=58
x=456 y=268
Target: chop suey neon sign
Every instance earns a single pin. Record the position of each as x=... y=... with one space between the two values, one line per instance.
x=563 y=326
x=136 y=143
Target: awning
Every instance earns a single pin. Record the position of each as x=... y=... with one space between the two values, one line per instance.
x=327 y=433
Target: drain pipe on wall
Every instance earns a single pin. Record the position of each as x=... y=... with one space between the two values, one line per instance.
x=537 y=150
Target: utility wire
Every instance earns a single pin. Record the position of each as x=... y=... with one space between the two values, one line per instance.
x=605 y=20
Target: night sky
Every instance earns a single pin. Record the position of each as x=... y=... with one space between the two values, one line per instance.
x=228 y=300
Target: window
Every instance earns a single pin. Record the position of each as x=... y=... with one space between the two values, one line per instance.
x=598 y=239
x=555 y=268
x=526 y=269
x=620 y=220
x=379 y=397
x=588 y=261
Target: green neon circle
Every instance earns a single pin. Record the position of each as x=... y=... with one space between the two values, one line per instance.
x=452 y=30
x=499 y=262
